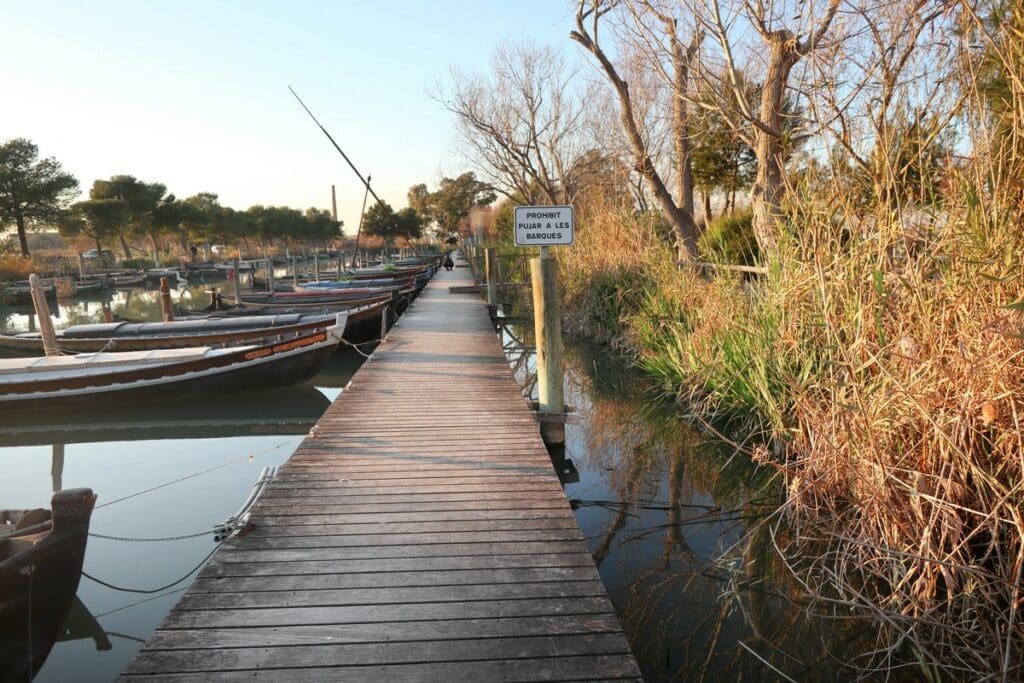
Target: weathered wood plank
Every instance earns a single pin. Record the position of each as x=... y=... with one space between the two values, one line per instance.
x=466 y=577
x=359 y=614
x=374 y=596
x=584 y=668
x=218 y=568
x=343 y=537
x=368 y=654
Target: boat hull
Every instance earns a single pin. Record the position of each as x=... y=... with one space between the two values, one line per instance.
x=39 y=577
x=277 y=364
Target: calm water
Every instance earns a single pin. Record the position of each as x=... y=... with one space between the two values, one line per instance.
x=666 y=513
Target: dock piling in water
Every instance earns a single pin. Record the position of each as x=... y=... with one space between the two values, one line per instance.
x=165 y=300
x=547 y=322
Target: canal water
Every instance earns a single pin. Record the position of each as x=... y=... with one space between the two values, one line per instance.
x=667 y=512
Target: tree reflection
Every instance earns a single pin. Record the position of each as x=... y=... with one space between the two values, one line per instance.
x=686 y=542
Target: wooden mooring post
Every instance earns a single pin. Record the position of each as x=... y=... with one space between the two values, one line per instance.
x=316 y=265
x=43 y=313
x=491 y=273
x=270 y=276
x=235 y=284
x=548 y=329
x=165 y=300
x=295 y=273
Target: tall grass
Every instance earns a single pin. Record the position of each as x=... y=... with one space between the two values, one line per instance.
x=881 y=370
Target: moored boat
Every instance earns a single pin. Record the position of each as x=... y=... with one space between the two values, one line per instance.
x=54 y=382
x=138 y=336
x=41 y=553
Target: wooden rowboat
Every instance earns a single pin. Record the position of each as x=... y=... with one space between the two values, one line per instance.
x=139 y=336
x=41 y=553
x=56 y=382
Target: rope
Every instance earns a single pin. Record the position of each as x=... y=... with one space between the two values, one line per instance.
x=125 y=636
x=249 y=457
x=355 y=346
x=154 y=590
x=138 y=602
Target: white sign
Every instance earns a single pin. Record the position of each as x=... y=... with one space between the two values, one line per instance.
x=544 y=226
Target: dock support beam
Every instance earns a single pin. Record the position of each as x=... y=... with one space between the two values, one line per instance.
x=43 y=313
x=547 y=323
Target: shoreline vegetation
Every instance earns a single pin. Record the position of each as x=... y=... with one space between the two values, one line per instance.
x=877 y=364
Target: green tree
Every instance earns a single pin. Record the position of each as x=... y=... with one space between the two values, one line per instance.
x=99 y=219
x=410 y=223
x=419 y=199
x=143 y=200
x=320 y=227
x=32 y=190
x=456 y=198
x=198 y=218
x=382 y=221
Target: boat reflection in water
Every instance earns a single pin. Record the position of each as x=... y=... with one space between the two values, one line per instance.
x=282 y=410
x=41 y=554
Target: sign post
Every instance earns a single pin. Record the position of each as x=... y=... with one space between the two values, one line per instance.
x=545 y=226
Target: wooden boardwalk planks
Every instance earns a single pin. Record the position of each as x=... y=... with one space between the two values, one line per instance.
x=418 y=534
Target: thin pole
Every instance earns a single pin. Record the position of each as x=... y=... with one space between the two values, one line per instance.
x=235 y=284
x=365 y=181
x=355 y=249
x=43 y=313
x=316 y=265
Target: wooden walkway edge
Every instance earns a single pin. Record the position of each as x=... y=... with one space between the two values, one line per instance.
x=419 y=533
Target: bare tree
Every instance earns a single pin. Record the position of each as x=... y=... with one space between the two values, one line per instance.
x=520 y=126
x=762 y=125
x=881 y=87
x=678 y=210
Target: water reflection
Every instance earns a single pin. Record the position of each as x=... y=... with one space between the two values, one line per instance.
x=133 y=304
x=172 y=470
x=676 y=524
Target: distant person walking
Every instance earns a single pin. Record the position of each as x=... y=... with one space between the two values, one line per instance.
x=448 y=263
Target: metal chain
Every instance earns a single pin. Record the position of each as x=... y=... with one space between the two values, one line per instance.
x=183 y=537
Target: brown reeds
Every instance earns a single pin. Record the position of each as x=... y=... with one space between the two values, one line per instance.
x=880 y=367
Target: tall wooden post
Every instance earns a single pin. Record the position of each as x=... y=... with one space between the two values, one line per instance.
x=81 y=266
x=316 y=265
x=43 y=313
x=165 y=300
x=235 y=284
x=548 y=327
x=270 y=276
x=491 y=274
x=295 y=273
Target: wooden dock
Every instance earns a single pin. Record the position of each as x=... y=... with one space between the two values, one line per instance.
x=419 y=533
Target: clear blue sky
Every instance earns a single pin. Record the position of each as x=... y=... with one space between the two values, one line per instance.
x=194 y=94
